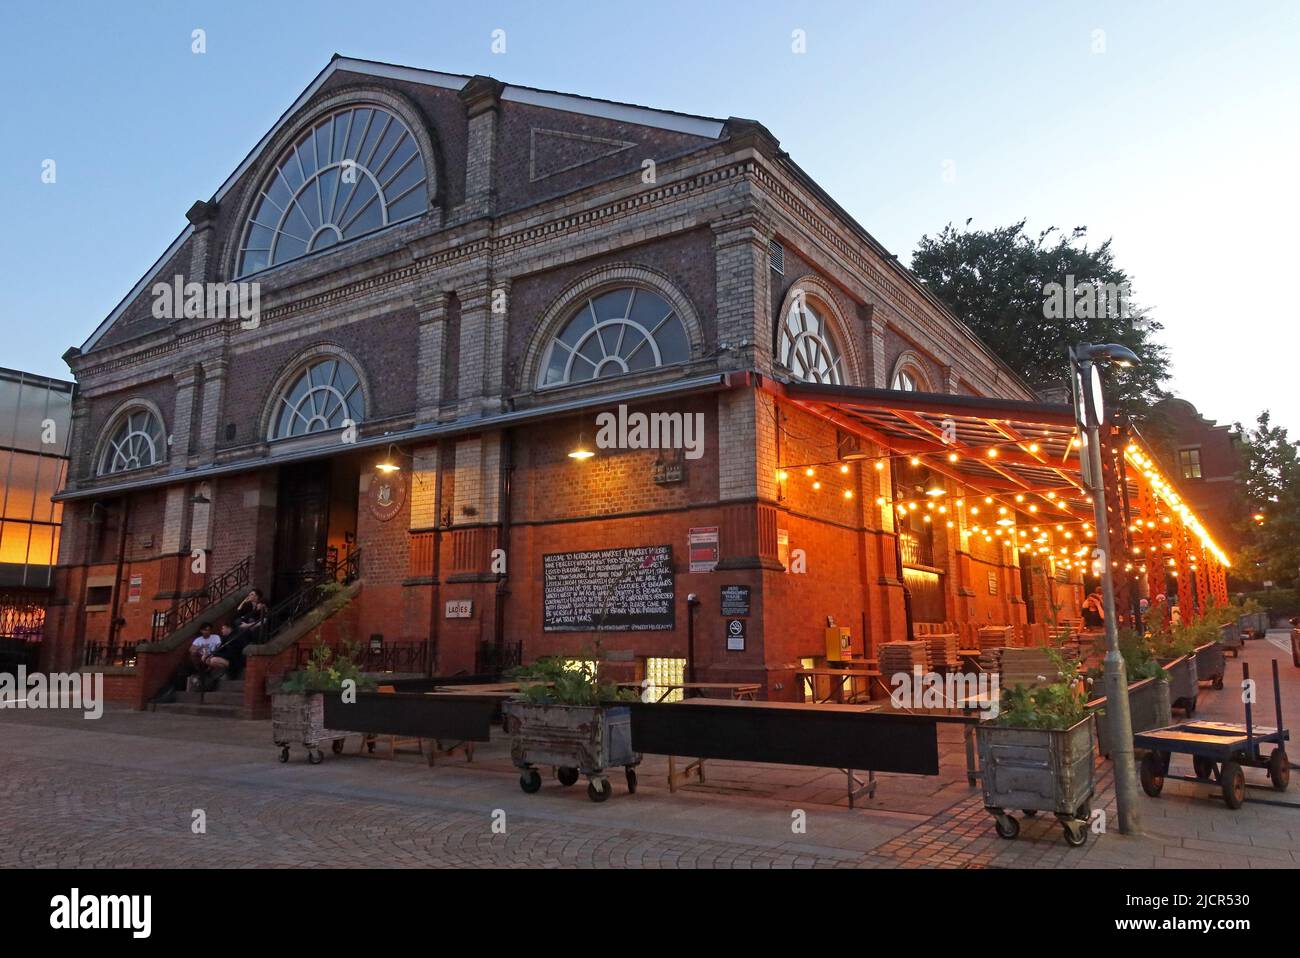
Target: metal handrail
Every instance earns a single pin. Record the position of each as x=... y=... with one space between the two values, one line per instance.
x=311 y=594
x=233 y=579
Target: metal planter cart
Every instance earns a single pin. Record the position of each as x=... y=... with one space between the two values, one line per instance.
x=1210 y=664
x=1038 y=770
x=1183 y=684
x=1220 y=751
x=1230 y=639
x=1148 y=708
x=576 y=740
x=300 y=717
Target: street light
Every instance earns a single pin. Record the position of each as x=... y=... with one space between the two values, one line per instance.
x=1085 y=362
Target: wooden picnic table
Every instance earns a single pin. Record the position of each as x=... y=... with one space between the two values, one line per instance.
x=808 y=678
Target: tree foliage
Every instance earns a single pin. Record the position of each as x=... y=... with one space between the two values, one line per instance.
x=998 y=282
x=1271 y=477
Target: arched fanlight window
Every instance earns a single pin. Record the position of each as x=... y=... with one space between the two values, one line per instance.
x=906 y=380
x=323 y=396
x=806 y=345
x=135 y=443
x=624 y=330
x=355 y=171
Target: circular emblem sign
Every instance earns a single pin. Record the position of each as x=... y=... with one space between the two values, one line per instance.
x=387 y=493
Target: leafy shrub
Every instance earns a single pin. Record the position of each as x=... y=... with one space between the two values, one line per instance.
x=1057 y=705
x=327 y=670
x=554 y=680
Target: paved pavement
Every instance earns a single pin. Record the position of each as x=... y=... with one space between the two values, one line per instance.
x=128 y=789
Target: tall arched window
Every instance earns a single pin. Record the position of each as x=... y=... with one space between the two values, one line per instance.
x=136 y=442
x=619 y=331
x=806 y=344
x=323 y=396
x=355 y=171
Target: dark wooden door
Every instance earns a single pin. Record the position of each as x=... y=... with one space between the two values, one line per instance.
x=302 y=526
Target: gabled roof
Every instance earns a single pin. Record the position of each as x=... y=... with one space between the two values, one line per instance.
x=709 y=127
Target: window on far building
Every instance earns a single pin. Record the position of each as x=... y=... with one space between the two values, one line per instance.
x=1189 y=463
x=806 y=345
x=906 y=380
x=323 y=396
x=626 y=330
x=137 y=443
x=355 y=171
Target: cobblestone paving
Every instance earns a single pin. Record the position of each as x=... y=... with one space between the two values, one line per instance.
x=121 y=792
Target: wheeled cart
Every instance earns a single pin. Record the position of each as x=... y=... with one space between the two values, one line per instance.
x=1220 y=751
x=576 y=741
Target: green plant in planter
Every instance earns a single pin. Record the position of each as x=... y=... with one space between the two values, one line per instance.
x=1057 y=705
x=327 y=670
x=554 y=680
x=1139 y=657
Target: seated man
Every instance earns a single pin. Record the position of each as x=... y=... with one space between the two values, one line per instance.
x=202 y=661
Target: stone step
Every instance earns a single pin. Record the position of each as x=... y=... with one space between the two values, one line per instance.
x=193 y=708
x=223 y=695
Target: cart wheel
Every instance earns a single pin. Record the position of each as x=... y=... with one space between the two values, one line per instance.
x=1279 y=770
x=567 y=776
x=631 y=779
x=315 y=756
x=1233 y=780
x=1203 y=767
x=1152 y=774
x=1007 y=827
x=370 y=745
x=337 y=746
x=1217 y=683
x=1075 y=834
x=1084 y=812
x=530 y=780
x=284 y=754
x=1029 y=812
x=602 y=793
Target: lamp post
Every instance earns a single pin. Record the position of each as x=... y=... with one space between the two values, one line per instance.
x=1085 y=362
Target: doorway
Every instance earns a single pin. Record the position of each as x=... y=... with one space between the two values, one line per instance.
x=316 y=522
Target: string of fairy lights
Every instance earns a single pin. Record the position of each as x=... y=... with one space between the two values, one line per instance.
x=1040 y=521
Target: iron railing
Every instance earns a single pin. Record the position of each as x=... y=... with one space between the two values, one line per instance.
x=491 y=659
x=314 y=590
x=232 y=580
x=109 y=653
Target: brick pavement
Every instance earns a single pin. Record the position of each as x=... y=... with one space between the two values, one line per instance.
x=122 y=791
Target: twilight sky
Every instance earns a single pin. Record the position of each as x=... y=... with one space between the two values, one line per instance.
x=1175 y=130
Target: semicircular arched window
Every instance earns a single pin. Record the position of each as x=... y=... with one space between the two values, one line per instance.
x=908 y=379
x=137 y=442
x=355 y=171
x=325 y=395
x=625 y=330
x=806 y=345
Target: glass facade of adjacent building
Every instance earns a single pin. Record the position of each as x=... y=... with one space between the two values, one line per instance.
x=35 y=420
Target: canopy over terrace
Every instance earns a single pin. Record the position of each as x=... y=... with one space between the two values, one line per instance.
x=1012 y=472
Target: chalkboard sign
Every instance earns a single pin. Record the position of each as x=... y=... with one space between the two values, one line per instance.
x=632 y=587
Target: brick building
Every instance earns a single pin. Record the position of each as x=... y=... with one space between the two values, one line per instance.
x=1206 y=460
x=456 y=278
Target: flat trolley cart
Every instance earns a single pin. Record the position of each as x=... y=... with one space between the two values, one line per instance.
x=1220 y=751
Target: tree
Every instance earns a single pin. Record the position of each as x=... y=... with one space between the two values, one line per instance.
x=1271 y=476
x=1030 y=299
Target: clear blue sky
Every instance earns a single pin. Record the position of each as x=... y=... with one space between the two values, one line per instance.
x=1181 y=140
